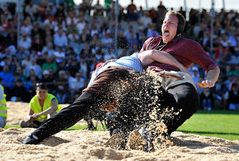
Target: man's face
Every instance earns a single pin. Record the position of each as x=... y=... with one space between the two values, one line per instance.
x=41 y=93
x=169 y=28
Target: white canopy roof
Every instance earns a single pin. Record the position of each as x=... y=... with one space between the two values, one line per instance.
x=5 y=1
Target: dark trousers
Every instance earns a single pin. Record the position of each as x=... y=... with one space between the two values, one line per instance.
x=185 y=101
x=97 y=96
x=180 y=101
x=67 y=117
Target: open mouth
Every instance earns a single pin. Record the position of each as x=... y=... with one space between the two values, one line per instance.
x=166 y=32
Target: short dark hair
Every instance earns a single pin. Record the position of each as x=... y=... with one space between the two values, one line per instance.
x=181 y=21
x=41 y=86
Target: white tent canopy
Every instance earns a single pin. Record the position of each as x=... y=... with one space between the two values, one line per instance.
x=8 y=1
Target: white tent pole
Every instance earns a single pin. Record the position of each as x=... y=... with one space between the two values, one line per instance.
x=223 y=4
x=186 y=10
x=116 y=27
x=212 y=12
x=200 y=10
x=200 y=5
x=19 y=18
x=146 y=5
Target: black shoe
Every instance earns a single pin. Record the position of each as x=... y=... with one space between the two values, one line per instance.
x=91 y=128
x=31 y=139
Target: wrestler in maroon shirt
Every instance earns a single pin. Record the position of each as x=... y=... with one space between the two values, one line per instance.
x=183 y=95
x=180 y=97
x=186 y=51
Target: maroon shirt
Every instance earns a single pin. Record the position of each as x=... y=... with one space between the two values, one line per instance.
x=186 y=51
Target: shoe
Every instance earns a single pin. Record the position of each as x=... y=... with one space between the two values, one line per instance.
x=26 y=124
x=31 y=139
x=140 y=140
x=116 y=141
x=136 y=141
x=92 y=128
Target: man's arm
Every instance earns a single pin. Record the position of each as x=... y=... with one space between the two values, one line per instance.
x=50 y=110
x=149 y=56
x=211 y=78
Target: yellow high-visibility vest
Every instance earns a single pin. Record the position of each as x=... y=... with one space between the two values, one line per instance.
x=36 y=107
x=3 y=105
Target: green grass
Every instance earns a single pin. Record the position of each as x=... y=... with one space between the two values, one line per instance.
x=84 y=126
x=77 y=126
x=11 y=126
x=222 y=124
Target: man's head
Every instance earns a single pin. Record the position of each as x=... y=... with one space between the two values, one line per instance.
x=41 y=90
x=173 y=24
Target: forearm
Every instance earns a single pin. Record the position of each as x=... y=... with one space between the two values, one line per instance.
x=67 y=117
x=213 y=74
x=149 y=56
x=211 y=78
x=48 y=111
x=166 y=58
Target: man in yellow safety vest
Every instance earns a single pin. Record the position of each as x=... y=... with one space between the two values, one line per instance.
x=42 y=106
x=3 y=107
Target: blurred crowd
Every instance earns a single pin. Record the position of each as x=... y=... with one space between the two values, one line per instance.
x=61 y=45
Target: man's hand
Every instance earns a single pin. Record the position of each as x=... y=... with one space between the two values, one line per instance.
x=153 y=68
x=206 y=84
x=34 y=116
x=170 y=74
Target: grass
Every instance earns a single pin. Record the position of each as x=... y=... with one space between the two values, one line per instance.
x=222 y=124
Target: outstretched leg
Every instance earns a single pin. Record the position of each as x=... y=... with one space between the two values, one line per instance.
x=63 y=120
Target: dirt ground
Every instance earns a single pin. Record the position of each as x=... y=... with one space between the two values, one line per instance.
x=89 y=145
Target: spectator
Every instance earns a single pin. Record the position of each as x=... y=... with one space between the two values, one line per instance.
x=196 y=77
x=76 y=84
x=8 y=80
x=62 y=87
x=37 y=43
x=132 y=12
x=59 y=55
x=98 y=9
x=50 y=64
x=3 y=107
x=25 y=42
x=19 y=92
x=42 y=106
x=207 y=100
x=232 y=97
x=26 y=28
x=48 y=49
x=161 y=12
x=60 y=38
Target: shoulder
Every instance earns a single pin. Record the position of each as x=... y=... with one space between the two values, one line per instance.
x=51 y=97
x=1 y=88
x=188 y=41
x=153 y=39
x=33 y=101
x=151 y=43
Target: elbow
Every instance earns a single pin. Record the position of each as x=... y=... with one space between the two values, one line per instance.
x=54 y=108
x=153 y=53
x=217 y=70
